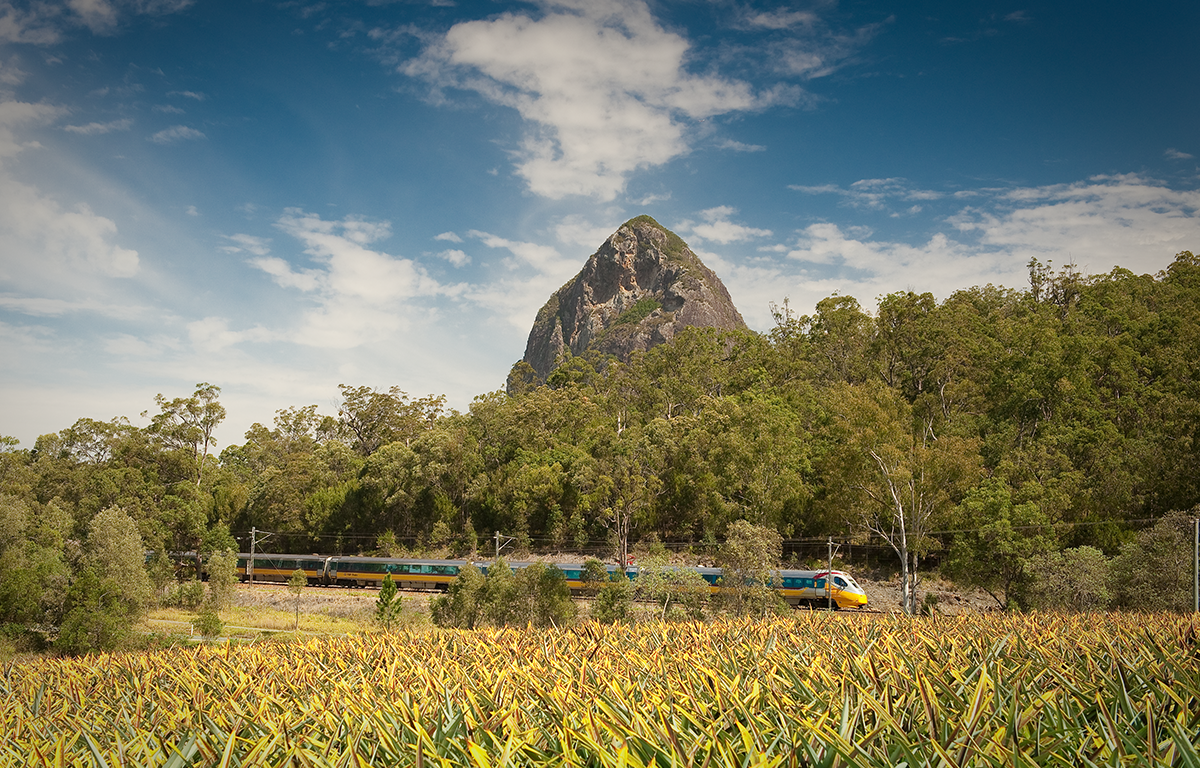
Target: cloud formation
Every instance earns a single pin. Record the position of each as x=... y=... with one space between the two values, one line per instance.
x=176 y=133
x=360 y=294
x=717 y=227
x=94 y=128
x=603 y=88
x=48 y=251
x=45 y=23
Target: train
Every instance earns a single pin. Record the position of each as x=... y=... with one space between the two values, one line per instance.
x=799 y=588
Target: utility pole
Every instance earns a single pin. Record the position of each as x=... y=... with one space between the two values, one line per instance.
x=499 y=546
x=254 y=532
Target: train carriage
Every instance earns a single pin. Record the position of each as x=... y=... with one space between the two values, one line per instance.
x=269 y=567
x=407 y=574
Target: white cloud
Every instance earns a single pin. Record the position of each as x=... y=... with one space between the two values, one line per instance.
x=518 y=297
x=455 y=257
x=213 y=333
x=717 y=227
x=176 y=133
x=11 y=72
x=94 y=128
x=781 y=19
x=259 y=246
x=45 y=245
x=602 y=86
x=188 y=95
x=361 y=294
x=450 y=236
x=192 y=211
x=737 y=146
x=1175 y=154
x=44 y=23
x=871 y=193
x=575 y=230
x=285 y=276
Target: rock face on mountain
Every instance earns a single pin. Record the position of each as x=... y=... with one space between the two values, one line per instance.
x=638 y=290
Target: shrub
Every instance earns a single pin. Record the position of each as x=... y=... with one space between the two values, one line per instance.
x=1070 y=580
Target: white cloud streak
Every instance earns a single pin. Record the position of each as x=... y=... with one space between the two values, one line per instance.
x=176 y=133
x=92 y=129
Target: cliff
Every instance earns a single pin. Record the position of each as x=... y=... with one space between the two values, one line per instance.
x=638 y=290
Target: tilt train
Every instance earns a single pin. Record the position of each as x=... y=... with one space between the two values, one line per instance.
x=798 y=588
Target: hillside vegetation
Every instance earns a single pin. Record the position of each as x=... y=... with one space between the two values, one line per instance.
x=1015 y=434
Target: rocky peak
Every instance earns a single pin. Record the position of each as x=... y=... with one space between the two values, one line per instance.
x=637 y=291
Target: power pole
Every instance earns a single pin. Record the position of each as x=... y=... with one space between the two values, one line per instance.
x=254 y=532
x=501 y=545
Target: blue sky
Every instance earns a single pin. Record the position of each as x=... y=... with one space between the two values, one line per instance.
x=278 y=197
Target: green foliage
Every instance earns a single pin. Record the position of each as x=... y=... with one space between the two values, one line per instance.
x=677 y=593
x=535 y=594
x=462 y=605
x=1073 y=580
x=189 y=594
x=389 y=603
x=594 y=575
x=997 y=541
x=1154 y=572
x=614 y=602
x=544 y=597
x=115 y=552
x=96 y=616
x=750 y=560
x=222 y=578
x=639 y=311
x=208 y=621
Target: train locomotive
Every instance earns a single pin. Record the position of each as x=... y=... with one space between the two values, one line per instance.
x=800 y=588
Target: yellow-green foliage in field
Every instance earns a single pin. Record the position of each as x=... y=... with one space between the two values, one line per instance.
x=812 y=690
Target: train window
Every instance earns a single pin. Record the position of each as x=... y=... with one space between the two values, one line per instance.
x=839 y=581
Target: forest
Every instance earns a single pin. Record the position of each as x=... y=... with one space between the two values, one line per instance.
x=982 y=433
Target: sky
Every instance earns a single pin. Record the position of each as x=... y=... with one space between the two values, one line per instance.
x=281 y=197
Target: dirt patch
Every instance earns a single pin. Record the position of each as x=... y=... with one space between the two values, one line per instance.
x=884 y=596
x=331 y=601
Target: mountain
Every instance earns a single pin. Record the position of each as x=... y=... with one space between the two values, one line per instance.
x=639 y=289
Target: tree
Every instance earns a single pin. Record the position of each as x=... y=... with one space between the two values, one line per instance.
x=545 y=598
x=117 y=556
x=1154 y=571
x=388 y=604
x=187 y=423
x=997 y=541
x=614 y=601
x=668 y=586
x=462 y=605
x=1073 y=579
x=222 y=578
x=97 y=616
x=299 y=580
x=371 y=419
x=893 y=474
x=749 y=561
x=594 y=575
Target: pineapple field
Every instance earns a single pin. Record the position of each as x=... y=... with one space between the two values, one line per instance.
x=811 y=689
